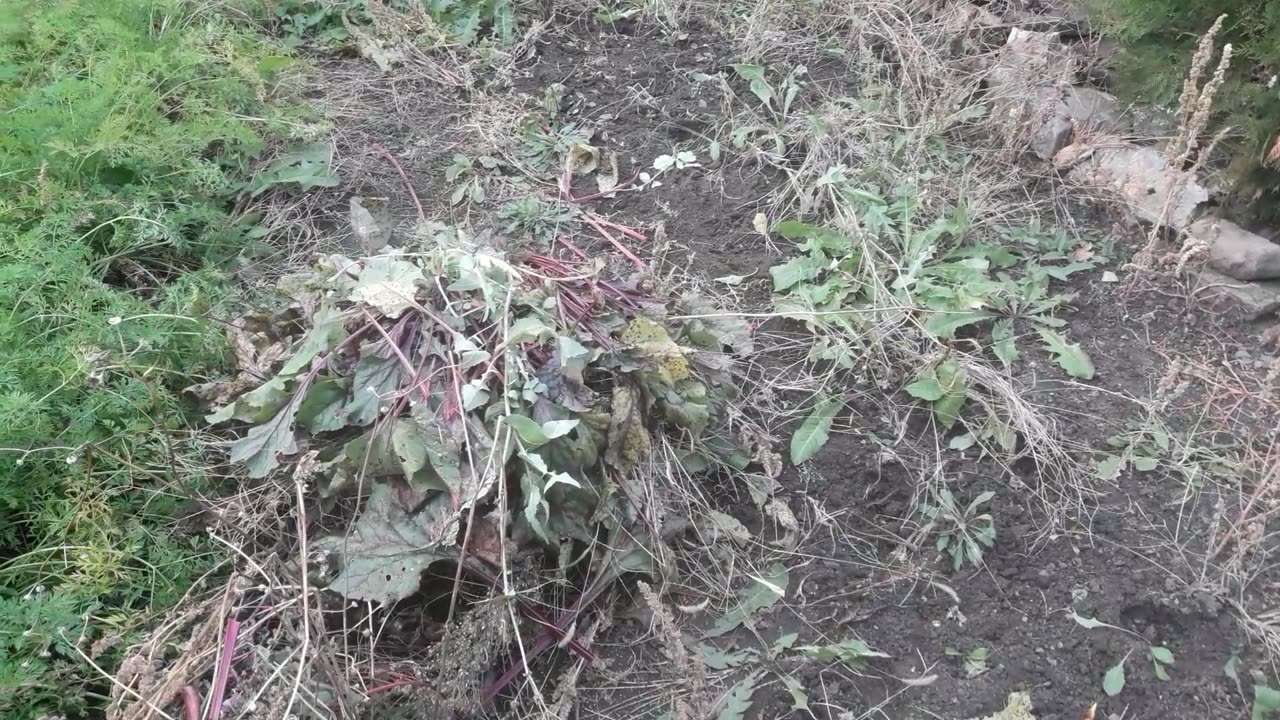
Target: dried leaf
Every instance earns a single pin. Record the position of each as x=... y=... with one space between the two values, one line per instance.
x=371 y=235
x=723 y=525
x=627 y=438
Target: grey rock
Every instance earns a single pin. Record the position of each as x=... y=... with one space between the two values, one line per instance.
x=1096 y=109
x=1029 y=60
x=1140 y=178
x=1237 y=252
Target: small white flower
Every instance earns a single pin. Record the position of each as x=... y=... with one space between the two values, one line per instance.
x=20 y=461
x=1272 y=82
x=115 y=320
x=71 y=459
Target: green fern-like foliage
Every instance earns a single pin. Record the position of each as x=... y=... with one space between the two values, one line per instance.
x=1158 y=38
x=128 y=127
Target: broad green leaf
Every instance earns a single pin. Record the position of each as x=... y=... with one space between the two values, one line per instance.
x=376 y=378
x=1003 y=341
x=529 y=329
x=955 y=391
x=504 y=22
x=783 y=643
x=387 y=549
x=1070 y=356
x=1143 y=463
x=387 y=283
x=795 y=271
x=1162 y=654
x=530 y=431
x=926 y=388
x=442 y=441
x=814 y=431
x=262 y=444
x=738 y=702
x=553 y=429
x=962 y=442
x=944 y=325
x=1113 y=681
x=754 y=75
x=762 y=593
x=1266 y=701
x=329 y=330
x=325 y=407
x=256 y=406
x=1161 y=674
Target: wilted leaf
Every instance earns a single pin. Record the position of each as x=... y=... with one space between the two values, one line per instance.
x=388 y=284
x=722 y=525
x=387 y=548
x=762 y=593
x=814 y=432
x=852 y=652
x=1070 y=356
x=738 y=701
x=733 y=280
x=718 y=659
x=1113 y=681
x=627 y=438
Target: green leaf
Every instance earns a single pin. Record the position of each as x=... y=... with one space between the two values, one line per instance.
x=1143 y=463
x=955 y=391
x=738 y=701
x=387 y=283
x=962 y=442
x=1071 y=357
x=783 y=643
x=504 y=22
x=388 y=548
x=1162 y=654
x=761 y=594
x=799 y=698
x=1113 y=681
x=944 y=325
x=376 y=378
x=553 y=429
x=1003 y=342
x=329 y=330
x=814 y=432
x=325 y=407
x=851 y=651
x=795 y=271
x=1161 y=674
x=529 y=329
x=926 y=388
x=529 y=431
x=1266 y=701
x=754 y=75
x=262 y=444
x=256 y=406
x=1088 y=623
x=1110 y=466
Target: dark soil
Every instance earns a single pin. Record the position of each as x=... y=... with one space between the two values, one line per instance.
x=1133 y=561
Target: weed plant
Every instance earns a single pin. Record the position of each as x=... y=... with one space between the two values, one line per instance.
x=129 y=128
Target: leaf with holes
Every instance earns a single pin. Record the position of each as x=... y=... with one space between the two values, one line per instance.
x=815 y=431
x=383 y=555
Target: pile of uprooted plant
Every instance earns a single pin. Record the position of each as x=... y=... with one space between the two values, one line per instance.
x=480 y=445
